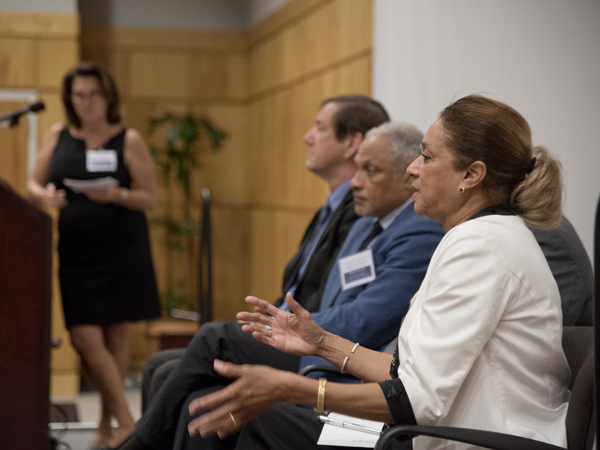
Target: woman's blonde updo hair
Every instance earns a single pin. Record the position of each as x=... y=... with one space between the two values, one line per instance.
x=477 y=128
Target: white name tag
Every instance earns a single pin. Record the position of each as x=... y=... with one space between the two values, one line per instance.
x=357 y=269
x=101 y=160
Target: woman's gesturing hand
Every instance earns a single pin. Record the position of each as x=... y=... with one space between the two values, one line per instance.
x=295 y=332
x=256 y=389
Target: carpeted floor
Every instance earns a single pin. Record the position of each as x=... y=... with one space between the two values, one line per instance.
x=73 y=419
x=73 y=439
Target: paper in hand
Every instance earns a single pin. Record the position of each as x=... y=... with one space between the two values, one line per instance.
x=80 y=186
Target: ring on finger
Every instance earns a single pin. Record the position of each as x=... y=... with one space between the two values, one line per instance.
x=235 y=425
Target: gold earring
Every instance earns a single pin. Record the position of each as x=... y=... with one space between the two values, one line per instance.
x=461 y=189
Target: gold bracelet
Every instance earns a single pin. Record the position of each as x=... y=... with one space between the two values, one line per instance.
x=321 y=396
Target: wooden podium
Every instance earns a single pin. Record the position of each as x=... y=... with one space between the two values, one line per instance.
x=25 y=294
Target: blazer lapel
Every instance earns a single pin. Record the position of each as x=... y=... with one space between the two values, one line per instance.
x=334 y=285
x=329 y=229
x=294 y=265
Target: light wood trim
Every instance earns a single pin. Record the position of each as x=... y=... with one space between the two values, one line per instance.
x=124 y=38
x=46 y=26
x=309 y=75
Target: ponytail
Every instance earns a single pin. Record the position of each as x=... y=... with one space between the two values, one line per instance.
x=537 y=199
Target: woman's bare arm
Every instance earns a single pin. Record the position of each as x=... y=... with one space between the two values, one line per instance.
x=40 y=191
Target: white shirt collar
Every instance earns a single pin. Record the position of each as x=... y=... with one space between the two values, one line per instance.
x=389 y=218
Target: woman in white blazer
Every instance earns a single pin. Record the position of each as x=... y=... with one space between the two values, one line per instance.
x=481 y=344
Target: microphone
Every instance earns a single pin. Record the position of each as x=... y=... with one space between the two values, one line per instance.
x=11 y=119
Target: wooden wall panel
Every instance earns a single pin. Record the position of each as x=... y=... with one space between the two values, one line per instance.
x=264 y=87
x=55 y=55
x=159 y=75
x=44 y=26
x=114 y=60
x=13 y=161
x=53 y=113
x=327 y=34
x=35 y=51
x=225 y=171
x=220 y=76
x=275 y=236
x=164 y=71
x=305 y=52
x=18 y=57
x=231 y=238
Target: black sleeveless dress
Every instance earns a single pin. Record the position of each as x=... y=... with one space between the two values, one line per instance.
x=106 y=273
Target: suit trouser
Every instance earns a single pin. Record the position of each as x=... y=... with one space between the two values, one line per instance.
x=216 y=340
x=156 y=370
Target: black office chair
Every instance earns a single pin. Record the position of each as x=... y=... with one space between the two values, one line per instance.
x=578 y=343
x=205 y=287
x=204 y=294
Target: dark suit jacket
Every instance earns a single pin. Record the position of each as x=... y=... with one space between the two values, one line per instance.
x=310 y=288
x=371 y=313
x=572 y=270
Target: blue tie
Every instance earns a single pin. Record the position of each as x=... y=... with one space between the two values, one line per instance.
x=306 y=254
x=372 y=235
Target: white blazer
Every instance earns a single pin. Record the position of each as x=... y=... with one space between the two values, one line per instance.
x=481 y=346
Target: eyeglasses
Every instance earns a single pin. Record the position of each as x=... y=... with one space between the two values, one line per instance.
x=82 y=96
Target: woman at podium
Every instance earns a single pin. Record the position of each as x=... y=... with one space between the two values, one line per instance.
x=102 y=179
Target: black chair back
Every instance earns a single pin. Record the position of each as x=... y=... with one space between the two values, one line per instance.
x=205 y=286
x=597 y=316
x=580 y=416
x=578 y=344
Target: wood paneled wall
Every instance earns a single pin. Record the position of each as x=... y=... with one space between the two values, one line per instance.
x=35 y=51
x=158 y=71
x=263 y=86
x=307 y=51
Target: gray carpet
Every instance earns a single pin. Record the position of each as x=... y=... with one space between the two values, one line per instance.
x=73 y=439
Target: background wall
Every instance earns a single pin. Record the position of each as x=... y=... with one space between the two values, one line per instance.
x=307 y=51
x=35 y=51
x=264 y=86
x=540 y=56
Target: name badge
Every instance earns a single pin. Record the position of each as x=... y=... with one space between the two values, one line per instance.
x=101 y=160
x=357 y=269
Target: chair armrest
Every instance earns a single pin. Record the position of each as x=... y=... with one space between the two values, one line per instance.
x=480 y=438
x=320 y=368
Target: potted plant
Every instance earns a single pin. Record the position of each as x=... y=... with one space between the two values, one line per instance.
x=187 y=137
